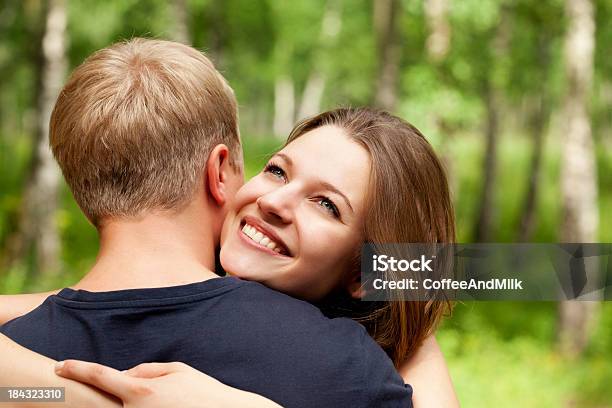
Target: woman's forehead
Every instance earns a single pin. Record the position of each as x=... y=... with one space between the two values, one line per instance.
x=326 y=141
x=329 y=155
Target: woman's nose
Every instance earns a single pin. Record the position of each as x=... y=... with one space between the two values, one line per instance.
x=277 y=205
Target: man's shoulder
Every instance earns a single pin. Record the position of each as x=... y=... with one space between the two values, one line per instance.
x=257 y=294
x=338 y=350
x=280 y=316
x=258 y=300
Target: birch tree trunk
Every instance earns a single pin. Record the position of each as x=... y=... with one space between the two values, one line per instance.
x=537 y=126
x=315 y=85
x=578 y=171
x=438 y=40
x=284 y=106
x=489 y=169
x=37 y=228
x=312 y=95
x=180 y=17
x=438 y=46
x=538 y=120
x=491 y=96
x=388 y=43
x=217 y=32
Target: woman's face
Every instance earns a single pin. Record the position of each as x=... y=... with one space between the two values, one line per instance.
x=297 y=226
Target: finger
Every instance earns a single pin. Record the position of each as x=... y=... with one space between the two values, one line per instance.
x=105 y=378
x=153 y=370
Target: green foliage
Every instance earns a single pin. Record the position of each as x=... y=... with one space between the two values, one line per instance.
x=502 y=352
x=257 y=152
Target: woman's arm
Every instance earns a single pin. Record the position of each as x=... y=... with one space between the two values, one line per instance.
x=428 y=375
x=166 y=385
x=162 y=385
x=20 y=367
x=13 y=306
x=145 y=386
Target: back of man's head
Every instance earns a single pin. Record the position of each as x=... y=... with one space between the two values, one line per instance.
x=134 y=125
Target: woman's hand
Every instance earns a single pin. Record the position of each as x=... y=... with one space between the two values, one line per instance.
x=161 y=385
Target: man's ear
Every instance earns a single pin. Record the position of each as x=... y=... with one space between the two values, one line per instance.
x=217 y=176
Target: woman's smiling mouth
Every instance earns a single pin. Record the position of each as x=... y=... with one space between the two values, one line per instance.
x=262 y=239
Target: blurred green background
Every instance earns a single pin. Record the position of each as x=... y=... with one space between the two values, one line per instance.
x=495 y=85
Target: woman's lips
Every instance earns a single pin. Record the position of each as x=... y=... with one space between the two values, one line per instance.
x=257 y=236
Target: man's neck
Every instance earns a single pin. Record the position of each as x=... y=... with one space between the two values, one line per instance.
x=155 y=250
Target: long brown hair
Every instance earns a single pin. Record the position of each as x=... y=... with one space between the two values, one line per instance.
x=408 y=201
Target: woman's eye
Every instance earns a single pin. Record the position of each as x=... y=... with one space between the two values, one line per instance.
x=275 y=170
x=329 y=206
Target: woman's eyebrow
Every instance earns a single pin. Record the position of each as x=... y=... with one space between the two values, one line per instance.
x=286 y=158
x=324 y=184
x=331 y=188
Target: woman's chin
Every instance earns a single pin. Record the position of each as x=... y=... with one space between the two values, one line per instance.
x=241 y=265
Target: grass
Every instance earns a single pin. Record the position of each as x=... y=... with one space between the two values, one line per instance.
x=503 y=354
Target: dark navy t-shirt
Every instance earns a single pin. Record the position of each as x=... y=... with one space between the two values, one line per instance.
x=240 y=332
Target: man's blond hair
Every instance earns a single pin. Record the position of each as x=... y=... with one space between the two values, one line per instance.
x=135 y=123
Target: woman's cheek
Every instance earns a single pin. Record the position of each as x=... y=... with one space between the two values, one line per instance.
x=321 y=255
x=339 y=248
x=247 y=195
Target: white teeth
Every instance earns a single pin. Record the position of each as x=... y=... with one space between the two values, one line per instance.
x=248 y=231
x=260 y=238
